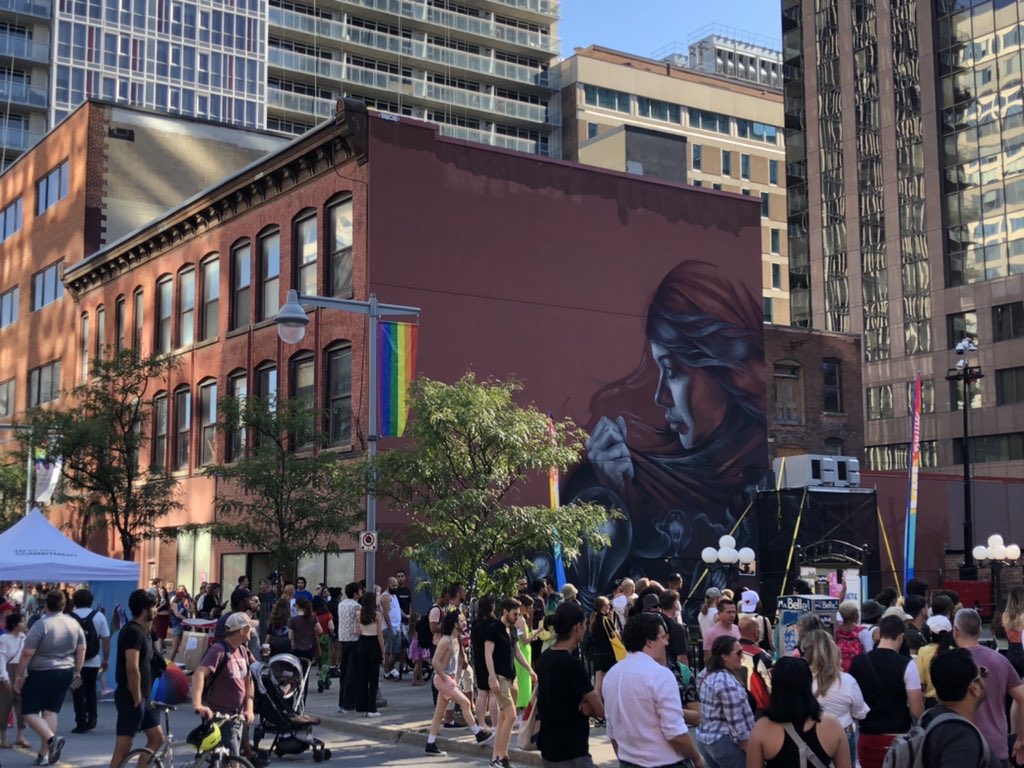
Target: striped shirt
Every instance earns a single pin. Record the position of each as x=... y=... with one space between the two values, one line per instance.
x=724 y=709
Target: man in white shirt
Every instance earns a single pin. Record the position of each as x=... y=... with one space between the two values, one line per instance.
x=348 y=636
x=642 y=683
x=624 y=597
x=84 y=696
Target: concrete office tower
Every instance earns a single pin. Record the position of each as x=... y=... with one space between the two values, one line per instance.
x=477 y=67
x=905 y=173
x=660 y=119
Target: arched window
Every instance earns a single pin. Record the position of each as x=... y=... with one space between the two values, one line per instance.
x=207 y=422
x=138 y=321
x=241 y=282
x=164 y=311
x=101 y=330
x=238 y=388
x=209 y=322
x=789 y=407
x=83 y=351
x=182 y=428
x=119 y=324
x=338 y=394
x=303 y=387
x=304 y=252
x=186 y=307
x=339 y=245
x=270 y=274
x=159 y=432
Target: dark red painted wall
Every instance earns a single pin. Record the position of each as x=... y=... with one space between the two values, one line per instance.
x=543 y=271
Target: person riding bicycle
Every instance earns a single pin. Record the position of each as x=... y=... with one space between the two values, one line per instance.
x=222 y=684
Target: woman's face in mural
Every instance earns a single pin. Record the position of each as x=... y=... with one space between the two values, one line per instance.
x=694 y=403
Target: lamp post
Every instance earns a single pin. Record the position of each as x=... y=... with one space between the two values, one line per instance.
x=998 y=555
x=291 y=322
x=967 y=374
x=727 y=554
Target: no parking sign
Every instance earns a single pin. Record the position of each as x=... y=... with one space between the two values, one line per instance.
x=368 y=541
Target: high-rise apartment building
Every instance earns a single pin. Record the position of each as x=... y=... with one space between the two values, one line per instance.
x=716 y=124
x=905 y=172
x=477 y=67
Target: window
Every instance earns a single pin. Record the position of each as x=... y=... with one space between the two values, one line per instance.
x=44 y=384
x=304 y=243
x=695 y=151
x=160 y=432
x=832 y=389
x=210 y=321
x=717 y=186
x=162 y=339
x=658 y=110
x=744 y=166
x=776 y=276
x=186 y=307
x=270 y=272
x=894 y=457
x=182 y=428
x=956 y=394
x=9 y=307
x=1008 y=321
x=303 y=388
x=960 y=326
x=788 y=400
x=833 y=446
x=748 y=129
x=765 y=211
x=47 y=286
x=591 y=130
x=52 y=188
x=238 y=388
x=119 y=325
x=7 y=399
x=709 y=121
x=776 y=240
x=698 y=183
x=766 y=303
x=773 y=171
x=339 y=238
x=266 y=385
x=606 y=98
x=726 y=162
x=10 y=219
x=338 y=395
x=138 y=317
x=207 y=423
x=1009 y=386
x=101 y=331
x=83 y=350
x=989 y=448
x=879 y=402
x=241 y=278
x=927 y=396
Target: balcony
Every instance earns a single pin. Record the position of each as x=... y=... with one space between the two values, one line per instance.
x=13 y=137
x=18 y=47
x=493 y=139
x=548 y=9
x=310 y=106
x=471 y=25
x=23 y=95
x=40 y=9
x=310 y=65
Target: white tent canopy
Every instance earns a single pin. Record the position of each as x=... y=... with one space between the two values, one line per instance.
x=34 y=550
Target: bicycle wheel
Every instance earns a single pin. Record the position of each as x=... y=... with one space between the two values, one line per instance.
x=142 y=758
x=227 y=761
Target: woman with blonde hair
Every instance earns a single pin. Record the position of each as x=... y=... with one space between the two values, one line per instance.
x=836 y=691
x=708 y=611
x=1013 y=625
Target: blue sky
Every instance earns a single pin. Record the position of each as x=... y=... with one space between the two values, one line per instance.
x=644 y=26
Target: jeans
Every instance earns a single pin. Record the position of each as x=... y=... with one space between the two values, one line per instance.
x=84 y=698
x=347 y=678
x=724 y=753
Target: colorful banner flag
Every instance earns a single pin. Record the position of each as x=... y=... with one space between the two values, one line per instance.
x=553 y=501
x=396 y=366
x=914 y=462
x=47 y=473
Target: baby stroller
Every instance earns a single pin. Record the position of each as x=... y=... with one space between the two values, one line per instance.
x=280 y=705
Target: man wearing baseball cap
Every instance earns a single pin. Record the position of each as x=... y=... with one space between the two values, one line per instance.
x=221 y=682
x=749 y=602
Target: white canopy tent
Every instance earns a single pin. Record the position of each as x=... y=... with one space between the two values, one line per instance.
x=34 y=550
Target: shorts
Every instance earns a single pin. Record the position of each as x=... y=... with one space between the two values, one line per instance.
x=133 y=719
x=392 y=642
x=44 y=690
x=508 y=692
x=177 y=630
x=446 y=686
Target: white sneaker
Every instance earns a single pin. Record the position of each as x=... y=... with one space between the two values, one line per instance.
x=373 y=714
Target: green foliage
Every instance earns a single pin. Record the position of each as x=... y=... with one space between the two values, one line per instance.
x=470 y=451
x=99 y=434
x=274 y=499
x=12 y=491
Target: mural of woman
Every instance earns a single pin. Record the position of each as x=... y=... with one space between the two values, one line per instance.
x=679 y=444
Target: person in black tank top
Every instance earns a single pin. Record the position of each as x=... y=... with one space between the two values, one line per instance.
x=793 y=706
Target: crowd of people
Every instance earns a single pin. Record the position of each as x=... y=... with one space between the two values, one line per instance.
x=897 y=673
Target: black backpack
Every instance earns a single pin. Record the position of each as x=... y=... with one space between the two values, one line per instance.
x=92 y=637
x=423 y=633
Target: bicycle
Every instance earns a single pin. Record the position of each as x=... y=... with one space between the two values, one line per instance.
x=216 y=756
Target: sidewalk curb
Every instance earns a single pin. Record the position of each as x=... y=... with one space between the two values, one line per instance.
x=411 y=738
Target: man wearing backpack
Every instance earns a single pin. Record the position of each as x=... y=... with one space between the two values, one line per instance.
x=221 y=682
x=97 y=656
x=953 y=741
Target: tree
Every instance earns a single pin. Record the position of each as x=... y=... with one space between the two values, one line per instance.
x=276 y=498
x=98 y=433
x=471 y=450
x=12 y=490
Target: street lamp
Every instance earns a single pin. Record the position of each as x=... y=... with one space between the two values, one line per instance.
x=291 y=322
x=967 y=374
x=727 y=554
x=998 y=555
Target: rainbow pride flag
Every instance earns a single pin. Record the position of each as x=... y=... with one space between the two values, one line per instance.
x=396 y=365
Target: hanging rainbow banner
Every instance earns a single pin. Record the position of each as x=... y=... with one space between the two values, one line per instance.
x=396 y=366
x=914 y=462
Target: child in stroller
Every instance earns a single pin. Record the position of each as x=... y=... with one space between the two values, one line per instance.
x=280 y=707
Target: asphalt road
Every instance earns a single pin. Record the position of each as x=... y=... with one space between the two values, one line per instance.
x=93 y=749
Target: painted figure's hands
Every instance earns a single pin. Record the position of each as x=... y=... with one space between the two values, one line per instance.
x=608 y=454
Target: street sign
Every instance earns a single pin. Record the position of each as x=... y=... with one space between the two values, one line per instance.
x=368 y=541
